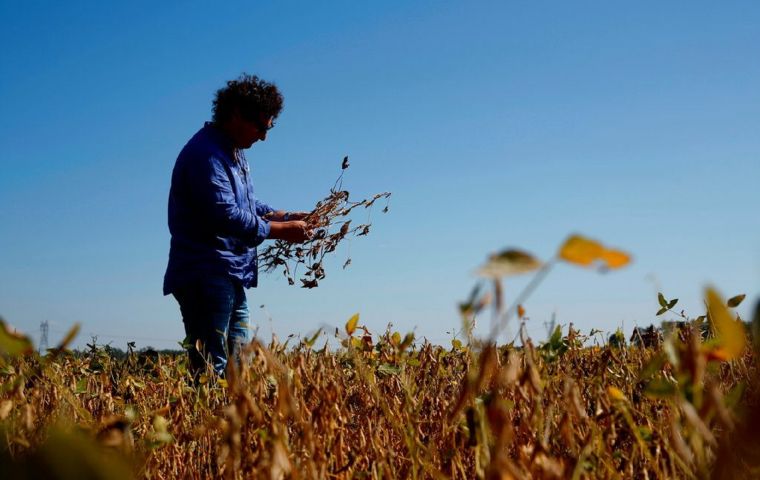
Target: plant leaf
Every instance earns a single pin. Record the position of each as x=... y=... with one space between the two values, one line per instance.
x=580 y=250
x=351 y=324
x=310 y=341
x=69 y=337
x=615 y=258
x=734 y=302
x=556 y=337
x=388 y=369
x=730 y=332
x=12 y=343
x=660 y=388
x=661 y=299
x=509 y=262
x=616 y=394
x=408 y=340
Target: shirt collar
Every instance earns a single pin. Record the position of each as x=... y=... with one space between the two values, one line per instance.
x=226 y=143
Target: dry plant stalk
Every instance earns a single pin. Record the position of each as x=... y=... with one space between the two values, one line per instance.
x=331 y=224
x=379 y=407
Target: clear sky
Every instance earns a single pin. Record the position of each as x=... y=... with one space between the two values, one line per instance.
x=494 y=124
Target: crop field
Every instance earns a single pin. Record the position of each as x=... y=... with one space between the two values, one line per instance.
x=684 y=404
x=382 y=407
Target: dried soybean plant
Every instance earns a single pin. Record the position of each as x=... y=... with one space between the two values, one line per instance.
x=331 y=224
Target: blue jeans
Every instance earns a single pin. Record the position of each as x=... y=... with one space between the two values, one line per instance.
x=214 y=311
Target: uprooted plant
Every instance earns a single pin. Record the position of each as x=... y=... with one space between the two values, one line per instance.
x=331 y=223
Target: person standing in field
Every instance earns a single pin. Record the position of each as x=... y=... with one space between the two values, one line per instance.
x=216 y=222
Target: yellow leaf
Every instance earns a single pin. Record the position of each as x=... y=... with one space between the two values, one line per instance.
x=718 y=353
x=615 y=393
x=509 y=262
x=580 y=250
x=615 y=258
x=730 y=332
x=351 y=324
x=396 y=338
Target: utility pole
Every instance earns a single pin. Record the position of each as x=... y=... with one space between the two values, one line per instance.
x=43 y=337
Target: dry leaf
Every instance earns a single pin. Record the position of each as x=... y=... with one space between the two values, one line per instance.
x=509 y=262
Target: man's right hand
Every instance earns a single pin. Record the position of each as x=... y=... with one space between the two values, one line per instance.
x=296 y=231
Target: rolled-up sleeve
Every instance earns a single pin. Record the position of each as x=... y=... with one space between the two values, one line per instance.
x=262 y=208
x=212 y=184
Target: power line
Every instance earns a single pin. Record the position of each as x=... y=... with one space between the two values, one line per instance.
x=126 y=337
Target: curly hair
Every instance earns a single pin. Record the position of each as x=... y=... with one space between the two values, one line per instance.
x=252 y=97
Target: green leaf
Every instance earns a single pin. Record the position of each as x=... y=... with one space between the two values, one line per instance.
x=662 y=310
x=661 y=299
x=734 y=396
x=72 y=455
x=310 y=341
x=81 y=386
x=457 y=344
x=12 y=343
x=654 y=366
x=660 y=388
x=645 y=433
x=69 y=337
x=556 y=337
x=734 y=302
x=388 y=369
x=408 y=340
x=672 y=303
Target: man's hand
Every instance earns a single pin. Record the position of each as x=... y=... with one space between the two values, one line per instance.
x=296 y=231
x=298 y=215
x=283 y=216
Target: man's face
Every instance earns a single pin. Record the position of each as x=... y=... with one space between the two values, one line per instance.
x=247 y=132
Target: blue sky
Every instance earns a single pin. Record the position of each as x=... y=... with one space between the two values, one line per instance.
x=494 y=124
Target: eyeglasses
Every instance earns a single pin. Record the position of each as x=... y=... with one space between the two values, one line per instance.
x=265 y=126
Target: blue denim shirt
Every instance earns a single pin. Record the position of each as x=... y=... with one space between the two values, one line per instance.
x=214 y=218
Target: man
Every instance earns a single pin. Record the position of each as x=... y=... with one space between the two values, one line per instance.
x=216 y=222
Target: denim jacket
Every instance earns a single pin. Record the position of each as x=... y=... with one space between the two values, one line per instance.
x=215 y=220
